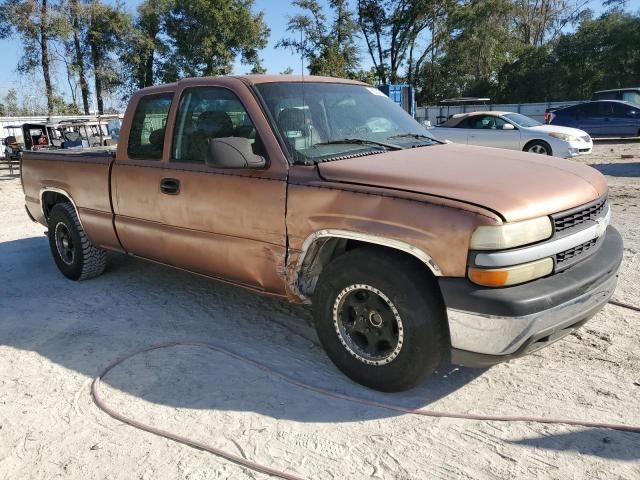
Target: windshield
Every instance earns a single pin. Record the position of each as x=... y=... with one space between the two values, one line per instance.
x=323 y=120
x=522 y=120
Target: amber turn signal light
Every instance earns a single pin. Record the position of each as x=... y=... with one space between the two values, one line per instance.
x=504 y=277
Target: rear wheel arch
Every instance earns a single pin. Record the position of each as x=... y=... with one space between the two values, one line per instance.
x=51 y=196
x=323 y=247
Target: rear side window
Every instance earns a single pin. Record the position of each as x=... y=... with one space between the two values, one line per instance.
x=146 y=137
x=605 y=96
x=466 y=123
x=596 y=109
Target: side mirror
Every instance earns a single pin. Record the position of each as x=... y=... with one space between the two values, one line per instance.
x=233 y=152
x=508 y=126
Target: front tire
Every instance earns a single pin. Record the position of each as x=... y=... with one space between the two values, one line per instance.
x=380 y=318
x=539 y=147
x=74 y=254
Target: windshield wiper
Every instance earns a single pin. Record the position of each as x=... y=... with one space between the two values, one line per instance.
x=359 y=141
x=417 y=136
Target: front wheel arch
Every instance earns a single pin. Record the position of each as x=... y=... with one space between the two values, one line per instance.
x=322 y=248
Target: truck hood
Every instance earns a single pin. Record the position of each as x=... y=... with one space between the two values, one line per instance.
x=516 y=185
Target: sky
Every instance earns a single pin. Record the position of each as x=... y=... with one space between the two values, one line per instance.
x=276 y=12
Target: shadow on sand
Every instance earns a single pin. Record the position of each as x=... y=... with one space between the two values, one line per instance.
x=619 y=169
x=84 y=326
x=614 y=445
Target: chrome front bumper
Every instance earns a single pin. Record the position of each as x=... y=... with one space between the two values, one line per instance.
x=498 y=335
x=490 y=325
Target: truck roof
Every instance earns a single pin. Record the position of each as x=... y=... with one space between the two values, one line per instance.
x=254 y=80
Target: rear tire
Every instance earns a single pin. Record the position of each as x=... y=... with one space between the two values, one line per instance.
x=74 y=254
x=539 y=147
x=380 y=318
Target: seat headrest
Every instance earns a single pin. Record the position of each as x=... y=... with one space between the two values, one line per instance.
x=292 y=119
x=72 y=137
x=215 y=124
x=156 y=139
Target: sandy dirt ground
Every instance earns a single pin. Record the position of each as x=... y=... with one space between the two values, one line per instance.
x=56 y=335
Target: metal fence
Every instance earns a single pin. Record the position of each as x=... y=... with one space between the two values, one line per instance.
x=438 y=114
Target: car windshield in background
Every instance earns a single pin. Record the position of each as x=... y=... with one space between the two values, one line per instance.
x=522 y=120
x=320 y=121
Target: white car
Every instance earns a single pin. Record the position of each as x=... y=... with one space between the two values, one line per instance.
x=514 y=131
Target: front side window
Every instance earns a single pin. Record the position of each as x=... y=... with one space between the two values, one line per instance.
x=620 y=110
x=207 y=113
x=326 y=120
x=146 y=137
x=487 y=122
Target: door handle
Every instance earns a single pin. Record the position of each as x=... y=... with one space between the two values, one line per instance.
x=170 y=186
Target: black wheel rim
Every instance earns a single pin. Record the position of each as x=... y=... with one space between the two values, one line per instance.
x=368 y=324
x=64 y=243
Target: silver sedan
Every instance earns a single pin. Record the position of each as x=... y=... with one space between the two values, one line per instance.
x=514 y=131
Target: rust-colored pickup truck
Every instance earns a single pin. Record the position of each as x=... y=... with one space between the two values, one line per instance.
x=321 y=190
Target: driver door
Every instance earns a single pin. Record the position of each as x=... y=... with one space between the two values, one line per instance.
x=489 y=131
x=173 y=208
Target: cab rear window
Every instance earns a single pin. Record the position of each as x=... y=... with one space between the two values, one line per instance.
x=146 y=137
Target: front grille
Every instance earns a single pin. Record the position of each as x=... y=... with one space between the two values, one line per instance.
x=576 y=217
x=572 y=255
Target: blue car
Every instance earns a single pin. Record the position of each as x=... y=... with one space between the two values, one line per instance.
x=602 y=118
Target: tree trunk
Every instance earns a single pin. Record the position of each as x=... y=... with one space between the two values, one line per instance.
x=44 y=45
x=95 y=57
x=84 y=86
x=148 y=74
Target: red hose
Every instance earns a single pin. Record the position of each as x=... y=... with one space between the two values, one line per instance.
x=95 y=391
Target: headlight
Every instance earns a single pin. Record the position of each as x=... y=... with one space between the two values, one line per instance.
x=503 y=277
x=511 y=235
x=564 y=136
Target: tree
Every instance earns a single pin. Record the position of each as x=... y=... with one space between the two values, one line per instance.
x=394 y=33
x=38 y=24
x=107 y=25
x=206 y=36
x=10 y=101
x=76 y=13
x=536 y=22
x=472 y=54
x=145 y=46
x=329 y=47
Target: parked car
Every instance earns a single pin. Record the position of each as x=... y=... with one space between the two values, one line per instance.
x=515 y=132
x=631 y=95
x=603 y=118
x=411 y=250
